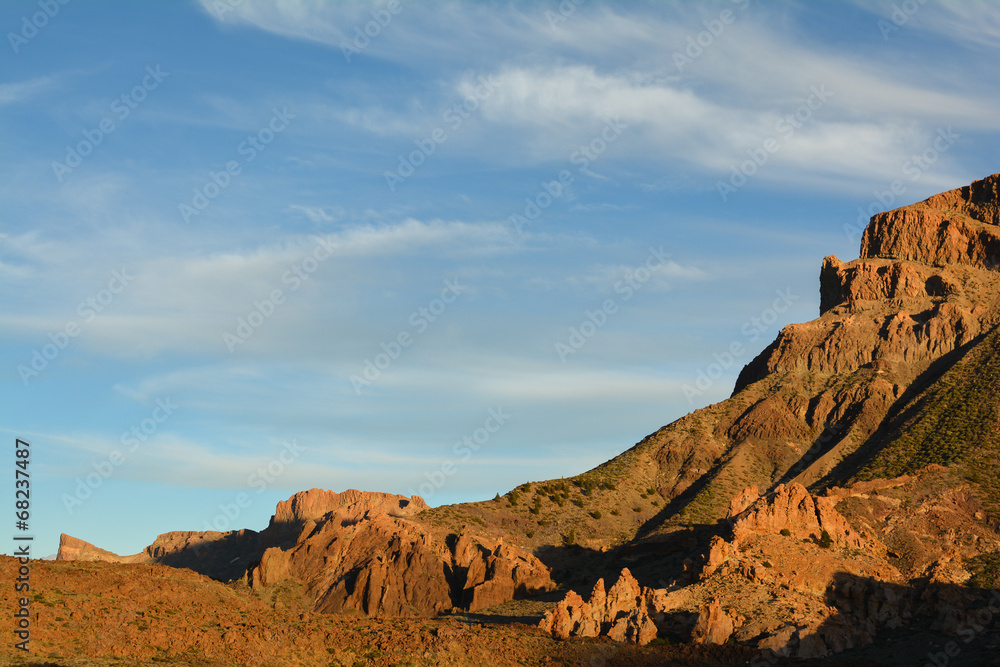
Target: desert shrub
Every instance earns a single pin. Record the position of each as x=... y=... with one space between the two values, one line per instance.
x=825 y=540
x=596 y=514
x=985 y=569
x=786 y=532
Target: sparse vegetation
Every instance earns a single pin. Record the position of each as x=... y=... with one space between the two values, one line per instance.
x=954 y=423
x=985 y=570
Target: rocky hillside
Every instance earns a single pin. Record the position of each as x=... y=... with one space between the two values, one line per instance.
x=847 y=492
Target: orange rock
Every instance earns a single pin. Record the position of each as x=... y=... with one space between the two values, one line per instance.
x=713 y=626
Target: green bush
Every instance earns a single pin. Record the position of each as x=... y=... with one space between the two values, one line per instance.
x=825 y=540
x=786 y=532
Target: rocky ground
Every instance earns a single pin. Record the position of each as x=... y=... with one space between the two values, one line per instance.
x=131 y=614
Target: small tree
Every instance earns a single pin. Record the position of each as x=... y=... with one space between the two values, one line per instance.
x=825 y=540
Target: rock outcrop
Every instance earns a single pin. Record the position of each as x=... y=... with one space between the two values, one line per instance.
x=714 y=626
x=385 y=566
x=354 y=552
x=72 y=548
x=624 y=613
x=353 y=505
x=794 y=510
x=907 y=298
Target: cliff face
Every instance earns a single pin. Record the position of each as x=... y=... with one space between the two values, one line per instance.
x=923 y=293
x=924 y=285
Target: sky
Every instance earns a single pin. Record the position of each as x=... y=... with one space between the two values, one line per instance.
x=250 y=248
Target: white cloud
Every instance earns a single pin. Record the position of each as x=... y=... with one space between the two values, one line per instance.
x=13 y=93
x=177 y=302
x=607 y=62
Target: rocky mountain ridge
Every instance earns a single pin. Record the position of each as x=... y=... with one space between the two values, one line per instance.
x=850 y=486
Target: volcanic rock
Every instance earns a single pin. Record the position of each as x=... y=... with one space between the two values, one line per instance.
x=621 y=613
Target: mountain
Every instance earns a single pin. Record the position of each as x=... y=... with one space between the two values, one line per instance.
x=847 y=491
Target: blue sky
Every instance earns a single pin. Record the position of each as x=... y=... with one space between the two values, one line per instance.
x=216 y=214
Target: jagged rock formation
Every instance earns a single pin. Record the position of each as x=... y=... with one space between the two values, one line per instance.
x=624 y=613
x=387 y=566
x=354 y=552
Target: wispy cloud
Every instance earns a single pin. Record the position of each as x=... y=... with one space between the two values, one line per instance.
x=13 y=93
